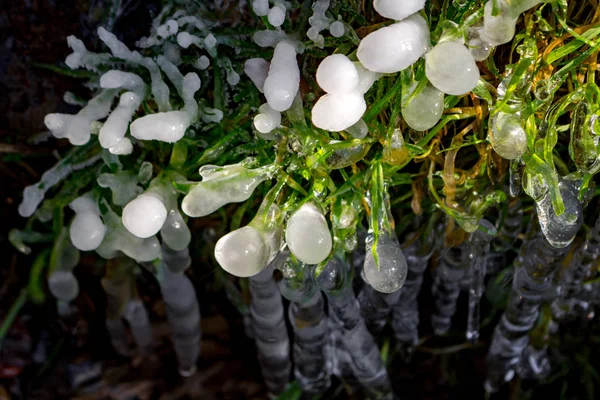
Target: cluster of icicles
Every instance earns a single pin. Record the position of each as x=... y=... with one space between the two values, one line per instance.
x=342 y=343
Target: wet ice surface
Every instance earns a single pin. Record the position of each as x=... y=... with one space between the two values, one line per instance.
x=397 y=10
x=507 y=135
x=560 y=230
x=307 y=235
x=396 y=47
x=450 y=67
x=424 y=110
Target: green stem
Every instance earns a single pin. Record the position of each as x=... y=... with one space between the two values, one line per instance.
x=12 y=314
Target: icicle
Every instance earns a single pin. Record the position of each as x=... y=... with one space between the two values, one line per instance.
x=366 y=362
x=480 y=248
x=61 y=282
x=539 y=261
x=568 y=301
x=183 y=313
x=312 y=352
x=137 y=317
x=446 y=286
x=405 y=314
x=270 y=332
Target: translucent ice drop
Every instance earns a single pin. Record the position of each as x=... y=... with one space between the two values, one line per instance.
x=267 y=119
x=395 y=151
x=450 y=67
x=276 y=15
x=307 y=235
x=423 y=110
x=498 y=29
x=337 y=29
x=560 y=230
x=283 y=80
x=63 y=285
x=390 y=275
x=397 y=10
x=337 y=74
x=223 y=185
x=249 y=250
x=87 y=229
x=395 y=47
x=507 y=136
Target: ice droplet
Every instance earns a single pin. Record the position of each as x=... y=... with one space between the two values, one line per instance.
x=392 y=270
x=337 y=29
x=283 y=80
x=424 y=110
x=450 y=67
x=560 y=230
x=276 y=15
x=63 y=285
x=398 y=10
x=507 y=136
x=337 y=112
x=144 y=216
x=307 y=235
x=337 y=74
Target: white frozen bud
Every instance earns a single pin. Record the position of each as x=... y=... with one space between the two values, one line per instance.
x=257 y=70
x=185 y=39
x=366 y=78
x=202 y=63
x=166 y=126
x=260 y=7
x=283 y=80
x=338 y=112
x=337 y=74
x=507 y=136
x=397 y=9
x=63 y=285
x=267 y=119
x=276 y=15
x=498 y=29
x=337 y=29
x=424 y=110
x=395 y=47
x=242 y=252
x=144 y=216
x=123 y=148
x=308 y=236
x=115 y=127
x=210 y=41
x=450 y=67
x=86 y=231
x=212 y=115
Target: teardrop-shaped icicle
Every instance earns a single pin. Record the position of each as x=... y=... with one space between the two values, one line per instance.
x=308 y=236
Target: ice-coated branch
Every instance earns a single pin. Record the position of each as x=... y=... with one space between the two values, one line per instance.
x=270 y=331
x=312 y=351
x=479 y=250
x=538 y=262
x=446 y=287
x=405 y=314
x=366 y=363
x=183 y=312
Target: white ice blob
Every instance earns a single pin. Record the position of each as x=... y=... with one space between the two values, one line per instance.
x=308 y=235
x=202 y=63
x=167 y=126
x=257 y=70
x=115 y=79
x=242 y=252
x=115 y=127
x=507 y=135
x=123 y=148
x=359 y=130
x=395 y=47
x=276 y=15
x=425 y=109
x=283 y=80
x=450 y=67
x=260 y=7
x=144 y=216
x=337 y=29
x=63 y=285
x=366 y=78
x=87 y=229
x=212 y=115
x=267 y=119
x=337 y=112
x=397 y=9
x=210 y=41
x=337 y=74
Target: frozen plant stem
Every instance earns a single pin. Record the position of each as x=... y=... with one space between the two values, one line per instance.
x=312 y=353
x=539 y=260
x=367 y=365
x=405 y=313
x=183 y=313
x=270 y=331
x=480 y=248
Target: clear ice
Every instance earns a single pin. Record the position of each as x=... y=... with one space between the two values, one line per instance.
x=507 y=135
x=423 y=110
